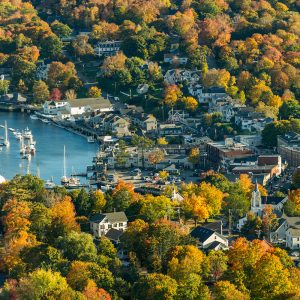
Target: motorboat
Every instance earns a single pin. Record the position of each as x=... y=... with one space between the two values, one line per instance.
x=91 y=139
x=34 y=117
x=73 y=182
x=27 y=134
x=46 y=121
x=49 y=184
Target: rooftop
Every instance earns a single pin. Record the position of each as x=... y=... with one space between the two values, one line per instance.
x=94 y=103
x=112 y=217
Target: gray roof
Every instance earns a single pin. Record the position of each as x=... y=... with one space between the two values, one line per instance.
x=202 y=233
x=94 y=103
x=112 y=217
x=114 y=234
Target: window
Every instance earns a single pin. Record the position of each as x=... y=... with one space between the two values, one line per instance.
x=115 y=225
x=121 y=224
x=109 y=226
x=102 y=226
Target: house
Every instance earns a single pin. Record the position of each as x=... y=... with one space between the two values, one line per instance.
x=278 y=234
x=107 y=48
x=181 y=75
x=252 y=141
x=42 y=70
x=176 y=59
x=247 y=119
x=293 y=238
x=53 y=107
x=114 y=235
x=117 y=125
x=145 y=121
x=227 y=107
x=209 y=239
x=206 y=95
x=288 y=146
x=170 y=129
x=100 y=223
x=142 y=88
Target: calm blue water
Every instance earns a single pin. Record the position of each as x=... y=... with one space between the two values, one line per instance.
x=50 y=141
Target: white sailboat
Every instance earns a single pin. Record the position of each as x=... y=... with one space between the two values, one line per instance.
x=6 y=140
x=68 y=182
x=64 y=179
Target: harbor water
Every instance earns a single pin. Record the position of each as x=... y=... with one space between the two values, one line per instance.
x=49 y=156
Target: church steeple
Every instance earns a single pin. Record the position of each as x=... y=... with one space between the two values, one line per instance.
x=256 y=196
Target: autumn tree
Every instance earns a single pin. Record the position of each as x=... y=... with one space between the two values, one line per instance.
x=17 y=235
x=172 y=95
x=156 y=156
x=60 y=29
x=190 y=103
x=40 y=92
x=43 y=284
x=82 y=47
x=155 y=286
x=185 y=260
x=292 y=206
x=195 y=207
x=224 y=290
x=63 y=218
x=94 y=92
x=194 y=156
x=56 y=94
x=162 y=141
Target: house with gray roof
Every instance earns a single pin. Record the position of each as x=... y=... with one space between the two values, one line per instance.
x=209 y=239
x=101 y=223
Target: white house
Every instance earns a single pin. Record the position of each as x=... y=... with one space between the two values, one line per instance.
x=172 y=58
x=206 y=95
x=100 y=224
x=181 y=75
x=53 y=107
x=293 y=238
x=208 y=238
x=107 y=48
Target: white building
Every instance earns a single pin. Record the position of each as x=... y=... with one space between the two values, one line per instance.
x=207 y=95
x=100 y=224
x=293 y=238
x=208 y=238
x=107 y=48
x=172 y=58
x=53 y=107
x=181 y=75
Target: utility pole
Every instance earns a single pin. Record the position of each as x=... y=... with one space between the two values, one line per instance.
x=229 y=221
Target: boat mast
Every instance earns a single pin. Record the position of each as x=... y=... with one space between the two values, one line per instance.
x=6 y=141
x=65 y=171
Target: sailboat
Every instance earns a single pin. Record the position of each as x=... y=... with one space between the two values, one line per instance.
x=64 y=179
x=6 y=141
x=68 y=182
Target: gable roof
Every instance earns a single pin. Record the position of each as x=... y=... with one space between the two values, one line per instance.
x=93 y=103
x=114 y=234
x=202 y=233
x=112 y=217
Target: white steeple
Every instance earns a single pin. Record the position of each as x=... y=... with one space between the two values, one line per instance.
x=256 y=197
